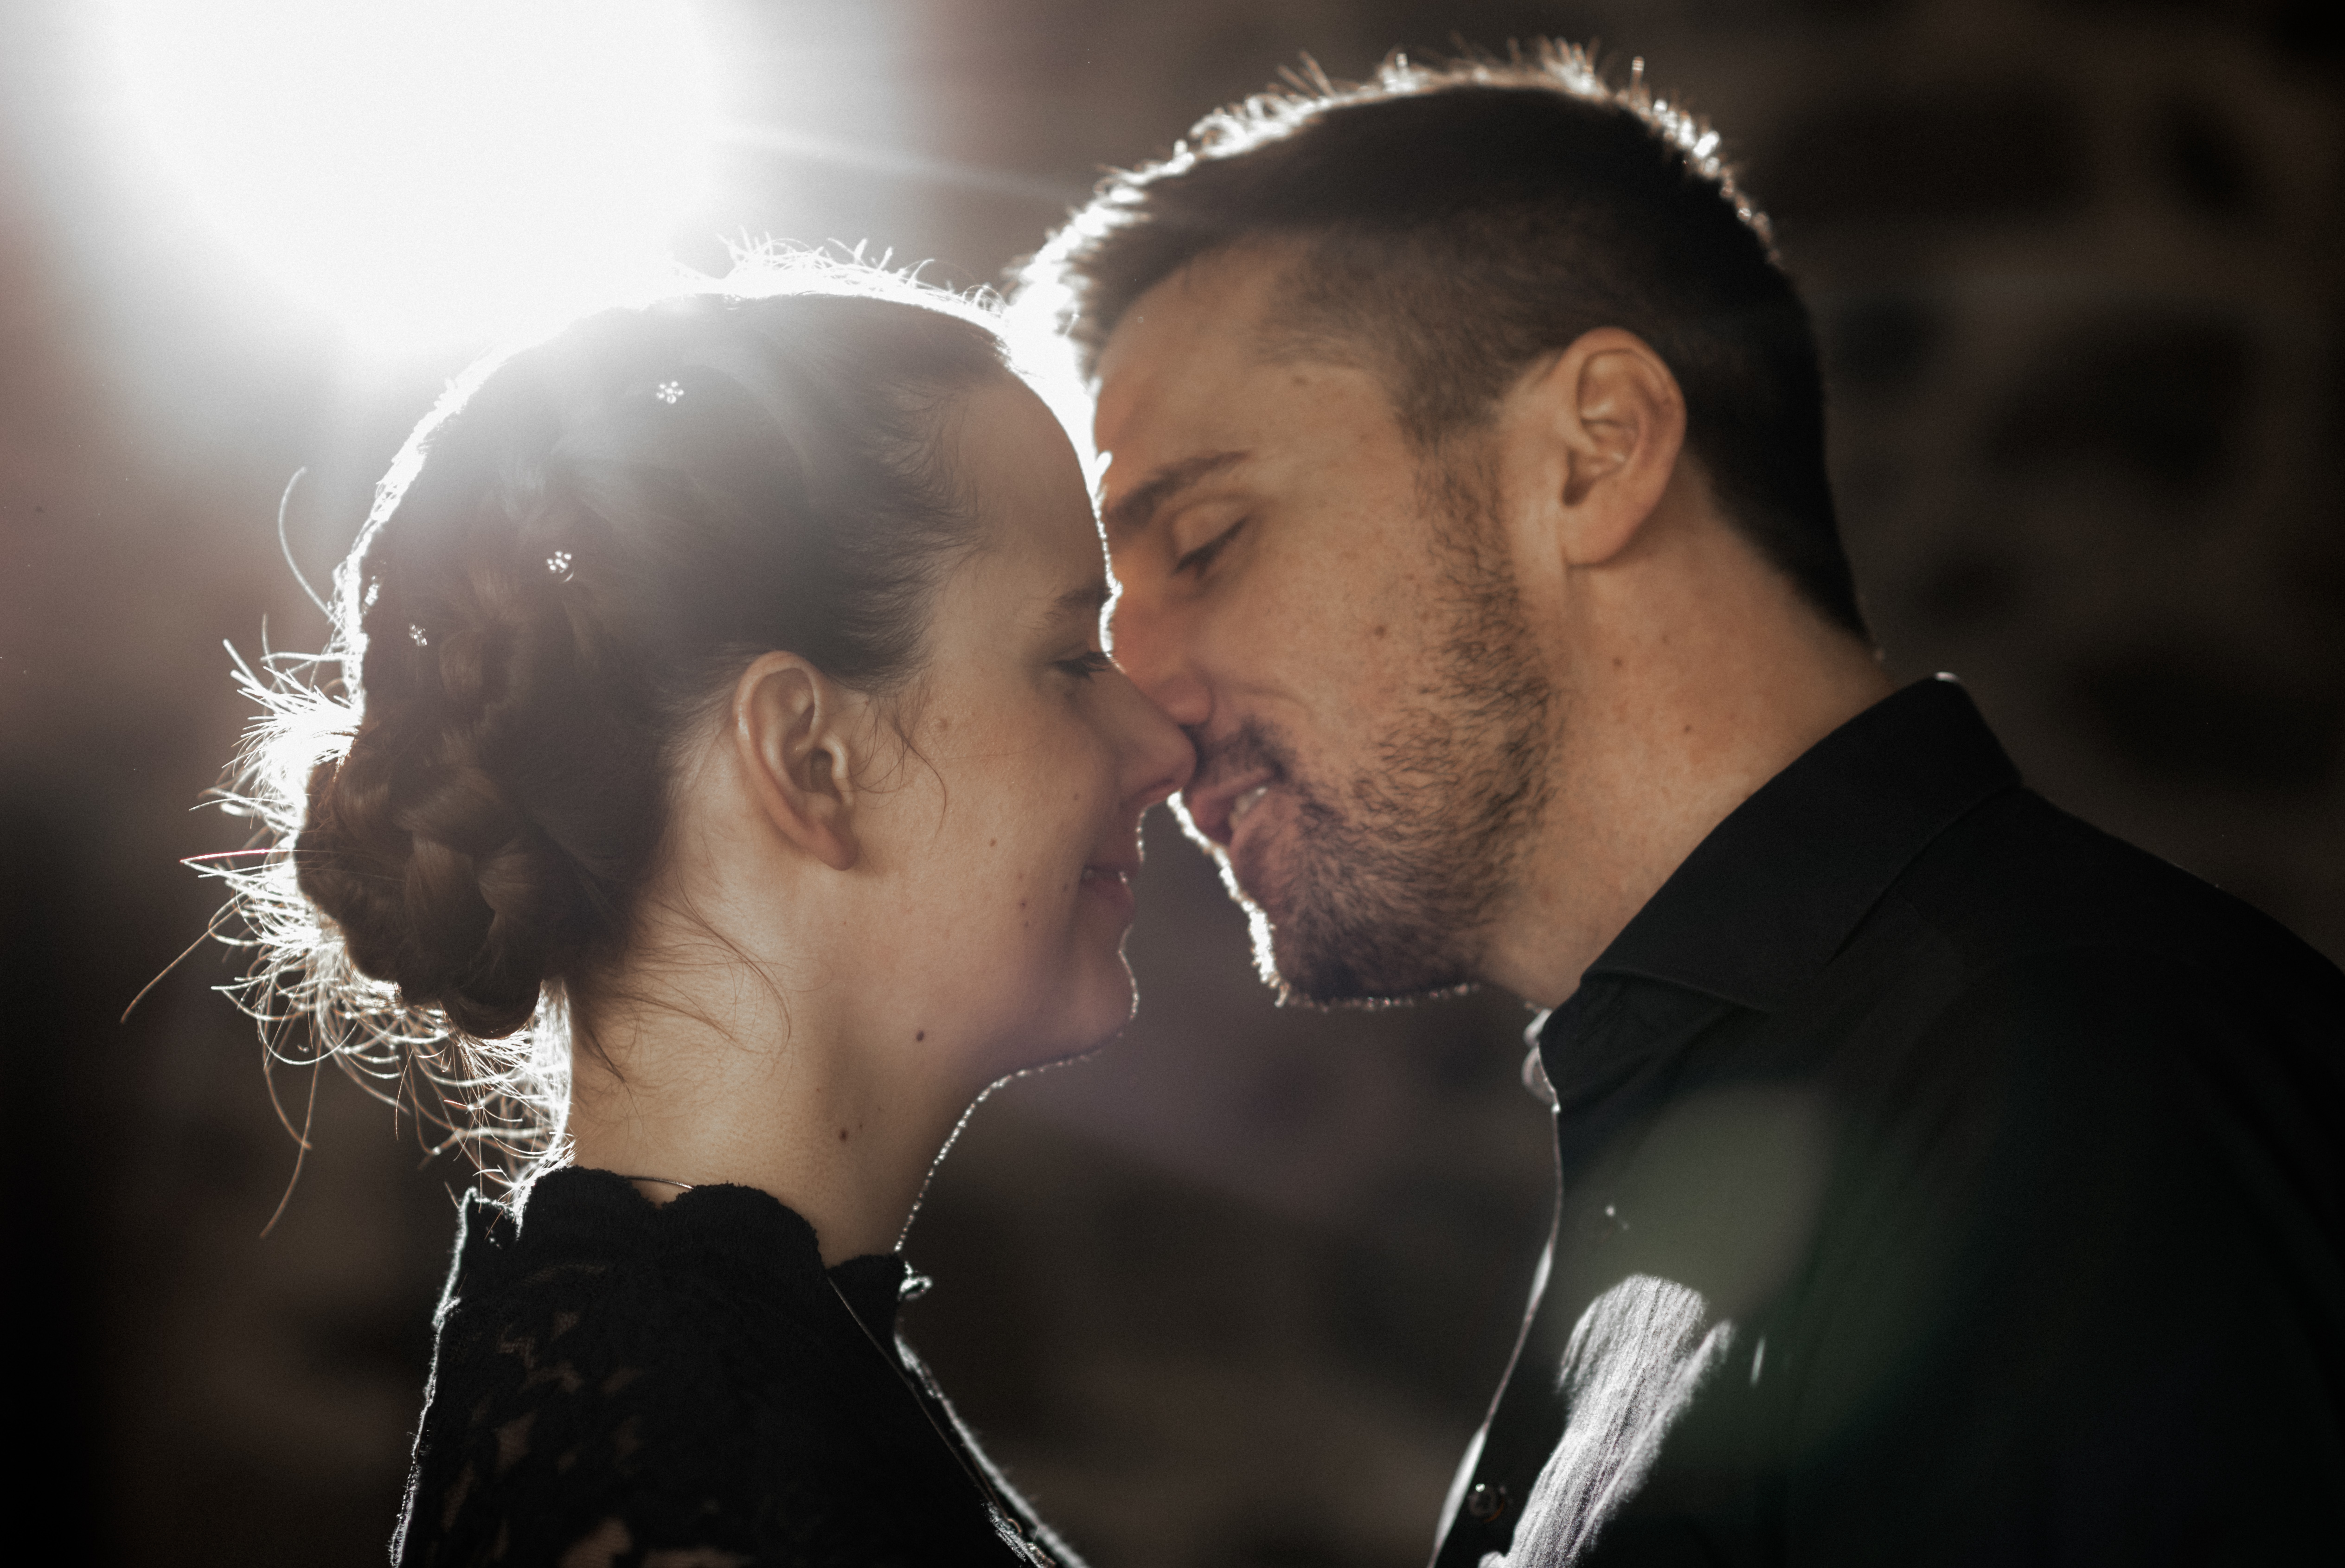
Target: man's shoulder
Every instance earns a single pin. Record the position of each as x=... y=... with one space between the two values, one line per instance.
x=2055 y=990
x=2031 y=973
x=2019 y=886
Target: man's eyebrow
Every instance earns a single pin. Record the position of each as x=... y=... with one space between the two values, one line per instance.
x=1135 y=510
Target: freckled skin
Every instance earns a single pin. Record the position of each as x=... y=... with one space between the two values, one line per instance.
x=874 y=891
x=1357 y=618
x=1270 y=530
x=995 y=726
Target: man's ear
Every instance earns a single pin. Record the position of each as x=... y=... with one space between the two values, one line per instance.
x=1609 y=420
x=792 y=733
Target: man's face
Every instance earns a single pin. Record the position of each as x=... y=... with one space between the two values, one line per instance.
x=1329 y=612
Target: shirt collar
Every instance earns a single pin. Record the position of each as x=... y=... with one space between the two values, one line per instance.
x=1764 y=903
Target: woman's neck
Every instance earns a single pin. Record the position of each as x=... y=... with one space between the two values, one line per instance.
x=802 y=1101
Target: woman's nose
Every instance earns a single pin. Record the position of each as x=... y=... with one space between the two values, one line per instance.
x=1157 y=757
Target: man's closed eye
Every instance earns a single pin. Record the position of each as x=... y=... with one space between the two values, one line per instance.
x=1194 y=561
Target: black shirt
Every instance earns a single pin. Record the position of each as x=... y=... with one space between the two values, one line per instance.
x=1944 y=1182
x=626 y=1385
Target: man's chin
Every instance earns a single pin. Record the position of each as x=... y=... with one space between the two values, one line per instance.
x=1312 y=952
x=1309 y=969
x=1296 y=974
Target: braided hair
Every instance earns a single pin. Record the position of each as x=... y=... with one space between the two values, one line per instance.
x=568 y=565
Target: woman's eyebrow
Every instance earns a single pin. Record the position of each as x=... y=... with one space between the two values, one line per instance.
x=1136 y=510
x=1075 y=606
x=1083 y=603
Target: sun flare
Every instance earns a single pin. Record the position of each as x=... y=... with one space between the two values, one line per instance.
x=425 y=171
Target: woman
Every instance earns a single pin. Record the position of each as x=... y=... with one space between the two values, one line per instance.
x=733 y=789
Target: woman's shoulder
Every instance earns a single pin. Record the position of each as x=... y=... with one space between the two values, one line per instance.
x=680 y=1377
x=580 y=1241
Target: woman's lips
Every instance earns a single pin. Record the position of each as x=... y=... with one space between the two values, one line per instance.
x=1111 y=885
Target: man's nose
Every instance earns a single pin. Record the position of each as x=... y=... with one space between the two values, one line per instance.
x=1150 y=647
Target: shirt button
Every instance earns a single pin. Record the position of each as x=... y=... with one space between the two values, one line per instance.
x=1485 y=1502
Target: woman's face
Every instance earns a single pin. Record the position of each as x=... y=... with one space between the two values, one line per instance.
x=1013 y=823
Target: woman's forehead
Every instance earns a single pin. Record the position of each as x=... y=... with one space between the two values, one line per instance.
x=1021 y=470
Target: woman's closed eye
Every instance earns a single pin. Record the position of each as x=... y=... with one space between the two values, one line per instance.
x=1090 y=662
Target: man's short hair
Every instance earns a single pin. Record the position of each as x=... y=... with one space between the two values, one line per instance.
x=1455 y=223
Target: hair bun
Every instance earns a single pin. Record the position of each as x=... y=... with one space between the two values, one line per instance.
x=565 y=572
x=440 y=881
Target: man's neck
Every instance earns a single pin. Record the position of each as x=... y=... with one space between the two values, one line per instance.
x=1653 y=752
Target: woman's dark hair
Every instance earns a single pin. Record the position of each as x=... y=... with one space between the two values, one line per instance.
x=567 y=567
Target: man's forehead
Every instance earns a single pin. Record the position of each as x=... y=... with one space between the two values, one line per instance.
x=1168 y=373
x=1198 y=324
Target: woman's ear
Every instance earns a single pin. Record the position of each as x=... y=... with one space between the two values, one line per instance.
x=793 y=732
x=1609 y=421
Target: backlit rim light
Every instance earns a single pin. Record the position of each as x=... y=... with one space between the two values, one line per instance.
x=426 y=172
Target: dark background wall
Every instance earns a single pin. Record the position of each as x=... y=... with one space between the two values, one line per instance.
x=1235 y=1293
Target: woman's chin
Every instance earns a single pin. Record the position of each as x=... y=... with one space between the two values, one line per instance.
x=1093 y=1012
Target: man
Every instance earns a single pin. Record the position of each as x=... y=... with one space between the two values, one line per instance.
x=1943 y=1180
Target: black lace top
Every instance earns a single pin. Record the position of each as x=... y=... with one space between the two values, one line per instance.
x=620 y=1384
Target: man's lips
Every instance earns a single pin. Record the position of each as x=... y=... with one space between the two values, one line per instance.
x=1217 y=809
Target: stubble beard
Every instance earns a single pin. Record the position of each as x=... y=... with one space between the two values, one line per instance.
x=1385 y=888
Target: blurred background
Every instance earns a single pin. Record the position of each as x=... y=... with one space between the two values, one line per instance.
x=1237 y=1291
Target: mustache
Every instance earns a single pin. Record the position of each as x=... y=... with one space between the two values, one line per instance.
x=1251 y=747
